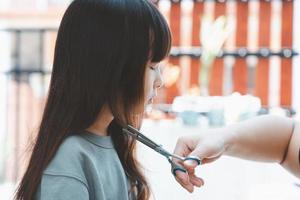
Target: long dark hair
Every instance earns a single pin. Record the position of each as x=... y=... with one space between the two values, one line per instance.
x=101 y=52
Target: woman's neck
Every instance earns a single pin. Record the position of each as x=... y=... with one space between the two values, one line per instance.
x=100 y=126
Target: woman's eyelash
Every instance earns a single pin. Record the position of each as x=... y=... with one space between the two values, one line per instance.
x=152 y=67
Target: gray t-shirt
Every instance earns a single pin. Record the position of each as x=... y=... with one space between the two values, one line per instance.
x=86 y=166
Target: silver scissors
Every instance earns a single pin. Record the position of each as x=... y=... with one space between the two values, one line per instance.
x=158 y=148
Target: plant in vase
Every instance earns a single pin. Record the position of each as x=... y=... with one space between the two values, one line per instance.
x=213 y=35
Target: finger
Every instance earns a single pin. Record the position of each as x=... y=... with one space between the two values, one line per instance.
x=182 y=177
x=209 y=160
x=191 y=163
x=190 y=171
x=185 y=183
x=182 y=147
x=205 y=154
x=196 y=181
x=186 y=180
x=188 y=187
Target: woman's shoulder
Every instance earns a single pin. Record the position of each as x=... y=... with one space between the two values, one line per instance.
x=70 y=157
x=73 y=143
x=73 y=147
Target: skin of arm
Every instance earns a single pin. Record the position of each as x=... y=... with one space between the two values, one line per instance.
x=265 y=138
x=291 y=162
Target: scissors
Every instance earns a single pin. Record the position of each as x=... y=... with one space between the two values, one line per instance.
x=158 y=148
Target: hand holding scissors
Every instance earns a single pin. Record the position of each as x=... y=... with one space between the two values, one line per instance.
x=158 y=148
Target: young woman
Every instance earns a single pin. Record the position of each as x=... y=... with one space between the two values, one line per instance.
x=105 y=71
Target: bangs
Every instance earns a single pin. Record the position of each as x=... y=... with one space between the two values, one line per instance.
x=160 y=36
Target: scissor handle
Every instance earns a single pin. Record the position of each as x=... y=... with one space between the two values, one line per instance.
x=193 y=158
x=176 y=167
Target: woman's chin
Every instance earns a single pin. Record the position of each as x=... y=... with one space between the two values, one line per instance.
x=148 y=109
x=144 y=109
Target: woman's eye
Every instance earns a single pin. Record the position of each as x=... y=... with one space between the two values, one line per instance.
x=152 y=67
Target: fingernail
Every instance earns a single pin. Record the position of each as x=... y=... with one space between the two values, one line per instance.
x=199 y=183
x=191 y=189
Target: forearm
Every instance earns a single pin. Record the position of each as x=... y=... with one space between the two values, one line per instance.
x=264 y=138
x=291 y=161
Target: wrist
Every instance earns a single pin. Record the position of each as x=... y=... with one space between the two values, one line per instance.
x=230 y=134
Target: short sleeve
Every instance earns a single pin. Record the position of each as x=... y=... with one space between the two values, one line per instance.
x=61 y=187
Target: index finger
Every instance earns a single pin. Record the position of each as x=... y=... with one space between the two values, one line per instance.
x=181 y=149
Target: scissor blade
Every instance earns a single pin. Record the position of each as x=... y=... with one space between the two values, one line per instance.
x=142 y=140
x=132 y=129
x=148 y=142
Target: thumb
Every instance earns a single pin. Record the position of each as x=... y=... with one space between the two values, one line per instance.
x=199 y=153
x=206 y=153
x=190 y=163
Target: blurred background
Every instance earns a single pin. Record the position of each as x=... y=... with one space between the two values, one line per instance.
x=231 y=60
